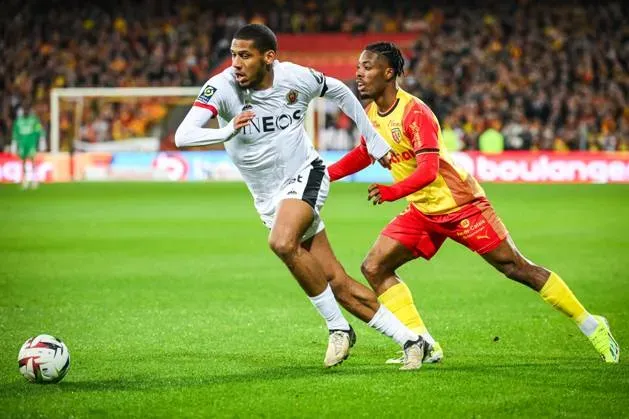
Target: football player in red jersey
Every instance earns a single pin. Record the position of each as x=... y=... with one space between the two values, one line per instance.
x=444 y=202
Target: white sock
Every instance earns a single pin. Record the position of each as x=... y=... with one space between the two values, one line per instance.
x=589 y=325
x=428 y=338
x=386 y=323
x=329 y=309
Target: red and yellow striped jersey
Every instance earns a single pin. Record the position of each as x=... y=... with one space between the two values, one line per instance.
x=402 y=127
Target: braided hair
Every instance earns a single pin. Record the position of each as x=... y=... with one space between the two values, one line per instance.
x=392 y=53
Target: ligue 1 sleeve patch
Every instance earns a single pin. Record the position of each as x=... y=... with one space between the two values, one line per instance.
x=206 y=94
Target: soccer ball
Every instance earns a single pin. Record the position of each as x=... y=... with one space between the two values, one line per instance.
x=44 y=359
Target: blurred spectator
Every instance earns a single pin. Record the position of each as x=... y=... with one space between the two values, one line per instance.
x=491 y=140
x=553 y=75
x=516 y=133
x=556 y=75
x=452 y=136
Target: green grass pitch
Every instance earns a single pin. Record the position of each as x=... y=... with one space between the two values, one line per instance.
x=172 y=305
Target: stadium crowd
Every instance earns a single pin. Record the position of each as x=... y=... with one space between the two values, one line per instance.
x=521 y=73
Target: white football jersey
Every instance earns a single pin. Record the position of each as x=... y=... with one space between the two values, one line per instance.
x=275 y=145
x=274 y=148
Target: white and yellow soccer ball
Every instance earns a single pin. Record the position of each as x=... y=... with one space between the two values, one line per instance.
x=44 y=359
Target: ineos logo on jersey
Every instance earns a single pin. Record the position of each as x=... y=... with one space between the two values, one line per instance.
x=273 y=123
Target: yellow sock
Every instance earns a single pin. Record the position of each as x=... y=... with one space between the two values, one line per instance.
x=399 y=301
x=556 y=293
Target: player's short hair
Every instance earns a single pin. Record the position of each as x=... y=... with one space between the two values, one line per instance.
x=391 y=52
x=263 y=38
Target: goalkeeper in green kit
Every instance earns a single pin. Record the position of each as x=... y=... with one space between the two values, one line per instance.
x=26 y=133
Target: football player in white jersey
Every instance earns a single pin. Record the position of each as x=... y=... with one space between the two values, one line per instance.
x=260 y=104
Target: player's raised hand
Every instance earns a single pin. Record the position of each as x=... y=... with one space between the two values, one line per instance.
x=242 y=119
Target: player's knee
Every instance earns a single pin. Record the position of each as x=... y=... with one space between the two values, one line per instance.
x=282 y=247
x=371 y=270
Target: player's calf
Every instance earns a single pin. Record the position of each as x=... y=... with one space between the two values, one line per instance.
x=524 y=272
x=352 y=295
x=510 y=262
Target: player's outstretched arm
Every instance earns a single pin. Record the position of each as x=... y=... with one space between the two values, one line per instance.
x=424 y=175
x=191 y=132
x=354 y=161
x=345 y=99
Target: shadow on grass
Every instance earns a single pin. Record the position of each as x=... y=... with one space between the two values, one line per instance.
x=179 y=370
x=286 y=373
x=151 y=382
